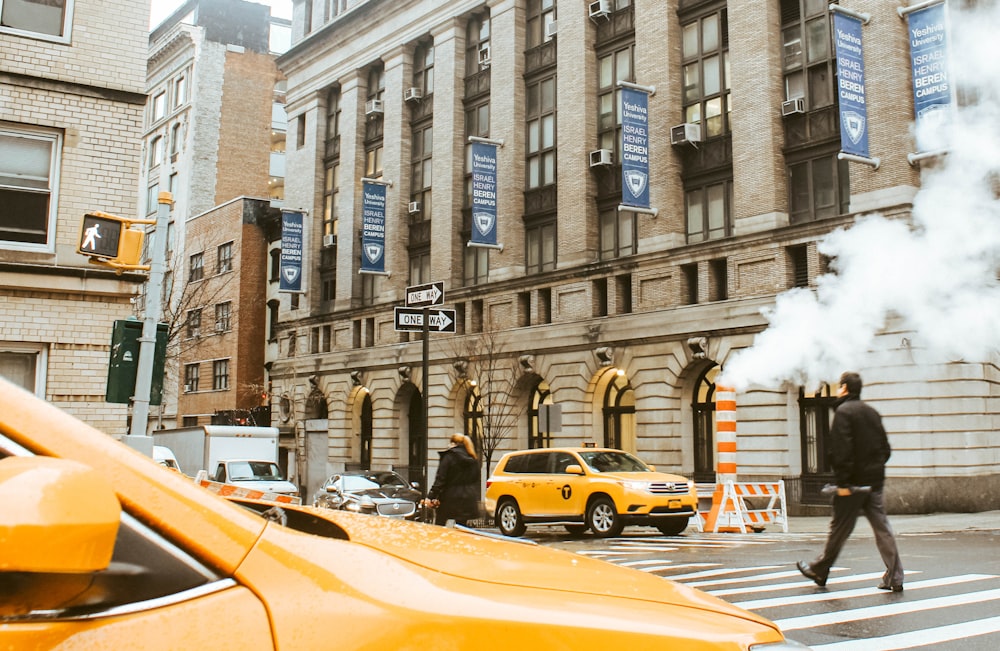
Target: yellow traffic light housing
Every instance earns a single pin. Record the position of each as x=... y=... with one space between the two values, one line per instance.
x=111 y=241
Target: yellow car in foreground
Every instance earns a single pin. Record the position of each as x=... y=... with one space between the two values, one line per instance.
x=601 y=489
x=101 y=548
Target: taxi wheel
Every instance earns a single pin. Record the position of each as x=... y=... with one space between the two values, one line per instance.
x=672 y=526
x=509 y=519
x=603 y=519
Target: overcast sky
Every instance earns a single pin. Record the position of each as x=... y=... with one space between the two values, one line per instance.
x=160 y=9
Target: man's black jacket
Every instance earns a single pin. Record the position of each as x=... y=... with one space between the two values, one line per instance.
x=859 y=447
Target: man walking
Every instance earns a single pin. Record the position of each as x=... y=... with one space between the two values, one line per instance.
x=859 y=449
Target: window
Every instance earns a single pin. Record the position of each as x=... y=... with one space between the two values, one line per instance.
x=423 y=69
x=477 y=45
x=477 y=265
x=29 y=183
x=373 y=161
x=376 y=82
x=798 y=265
x=50 y=18
x=196 y=268
x=24 y=365
x=538 y=437
x=708 y=211
x=540 y=246
x=220 y=374
x=224 y=259
x=807 y=56
x=420 y=266
x=541 y=13
x=155 y=151
x=331 y=193
x=540 y=164
x=332 y=122
x=152 y=200
x=719 y=272
x=689 y=272
x=180 y=91
x=223 y=316
x=191 y=372
x=705 y=52
x=175 y=140
x=421 y=171
x=612 y=67
x=819 y=188
x=159 y=106
x=300 y=131
x=617 y=233
x=194 y=323
x=477 y=123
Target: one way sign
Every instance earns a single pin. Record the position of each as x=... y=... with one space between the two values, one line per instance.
x=424 y=295
x=412 y=320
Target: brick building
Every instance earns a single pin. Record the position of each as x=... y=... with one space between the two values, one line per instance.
x=622 y=318
x=71 y=103
x=215 y=138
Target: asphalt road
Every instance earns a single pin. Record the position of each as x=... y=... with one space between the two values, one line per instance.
x=951 y=599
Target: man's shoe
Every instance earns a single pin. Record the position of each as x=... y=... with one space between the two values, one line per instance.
x=894 y=588
x=807 y=572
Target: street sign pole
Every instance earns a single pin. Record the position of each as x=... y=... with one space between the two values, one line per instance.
x=138 y=436
x=426 y=379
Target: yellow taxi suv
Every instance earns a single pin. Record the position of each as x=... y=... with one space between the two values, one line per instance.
x=102 y=548
x=599 y=489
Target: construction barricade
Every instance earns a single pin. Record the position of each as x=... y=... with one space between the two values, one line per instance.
x=731 y=513
x=229 y=490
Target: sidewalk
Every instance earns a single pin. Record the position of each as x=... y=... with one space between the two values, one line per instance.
x=902 y=524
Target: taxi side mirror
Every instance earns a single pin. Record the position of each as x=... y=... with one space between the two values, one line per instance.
x=574 y=469
x=59 y=516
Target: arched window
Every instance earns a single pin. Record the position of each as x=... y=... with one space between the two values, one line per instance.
x=619 y=412
x=366 y=432
x=473 y=417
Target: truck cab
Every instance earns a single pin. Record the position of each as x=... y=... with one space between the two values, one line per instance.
x=255 y=474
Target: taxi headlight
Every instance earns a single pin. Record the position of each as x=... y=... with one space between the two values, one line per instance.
x=787 y=645
x=636 y=485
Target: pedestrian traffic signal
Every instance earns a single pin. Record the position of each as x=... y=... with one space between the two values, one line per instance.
x=110 y=240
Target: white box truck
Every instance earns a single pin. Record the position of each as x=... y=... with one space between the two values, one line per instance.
x=231 y=454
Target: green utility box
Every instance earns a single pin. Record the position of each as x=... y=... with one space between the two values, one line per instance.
x=125 y=362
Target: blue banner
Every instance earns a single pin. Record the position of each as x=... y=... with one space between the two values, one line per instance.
x=929 y=60
x=484 y=194
x=635 y=147
x=290 y=276
x=851 y=85
x=372 y=227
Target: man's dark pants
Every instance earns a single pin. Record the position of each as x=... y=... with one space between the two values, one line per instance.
x=846 y=509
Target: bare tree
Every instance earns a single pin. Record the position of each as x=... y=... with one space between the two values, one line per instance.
x=491 y=374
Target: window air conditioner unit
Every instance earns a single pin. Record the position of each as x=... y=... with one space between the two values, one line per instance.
x=373 y=107
x=600 y=157
x=329 y=240
x=792 y=106
x=551 y=29
x=600 y=9
x=413 y=207
x=412 y=94
x=683 y=134
x=188 y=388
x=484 y=55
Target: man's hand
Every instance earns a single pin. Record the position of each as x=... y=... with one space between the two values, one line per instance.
x=843 y=492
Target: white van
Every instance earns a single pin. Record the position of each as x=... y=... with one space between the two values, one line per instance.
x=165 y=457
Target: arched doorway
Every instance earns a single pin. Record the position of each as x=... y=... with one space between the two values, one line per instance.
x=417 y=461
x=815 y=417
x=618 y=412
x=472 y=417
x=365 y=453
x=703 y=420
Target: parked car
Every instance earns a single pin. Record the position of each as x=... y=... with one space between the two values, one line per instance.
x=100 y=547
x=600 y=489
x=375 y=492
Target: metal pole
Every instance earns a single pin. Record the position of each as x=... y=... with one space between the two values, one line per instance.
x=138 y=436
x=423 y=393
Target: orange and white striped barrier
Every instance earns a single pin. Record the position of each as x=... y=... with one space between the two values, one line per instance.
x=732 y=514
x=229 y=490
x=725 y=449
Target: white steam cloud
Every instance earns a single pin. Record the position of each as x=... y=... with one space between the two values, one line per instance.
x=935 y=277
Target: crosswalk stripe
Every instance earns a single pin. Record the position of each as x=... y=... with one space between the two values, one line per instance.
x=899 y=608
x=654 y=561
x=915 y=639
x=858 y=592
x=632 y=549
x=724 y=570
x=795 y=585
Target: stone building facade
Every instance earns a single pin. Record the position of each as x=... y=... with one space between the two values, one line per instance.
x=621 y=319
x=71 y=105
x=215 y=138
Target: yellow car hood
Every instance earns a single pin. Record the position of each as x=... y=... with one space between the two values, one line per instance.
x=489 y=559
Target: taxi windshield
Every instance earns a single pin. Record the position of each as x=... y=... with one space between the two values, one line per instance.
x=605 y=461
